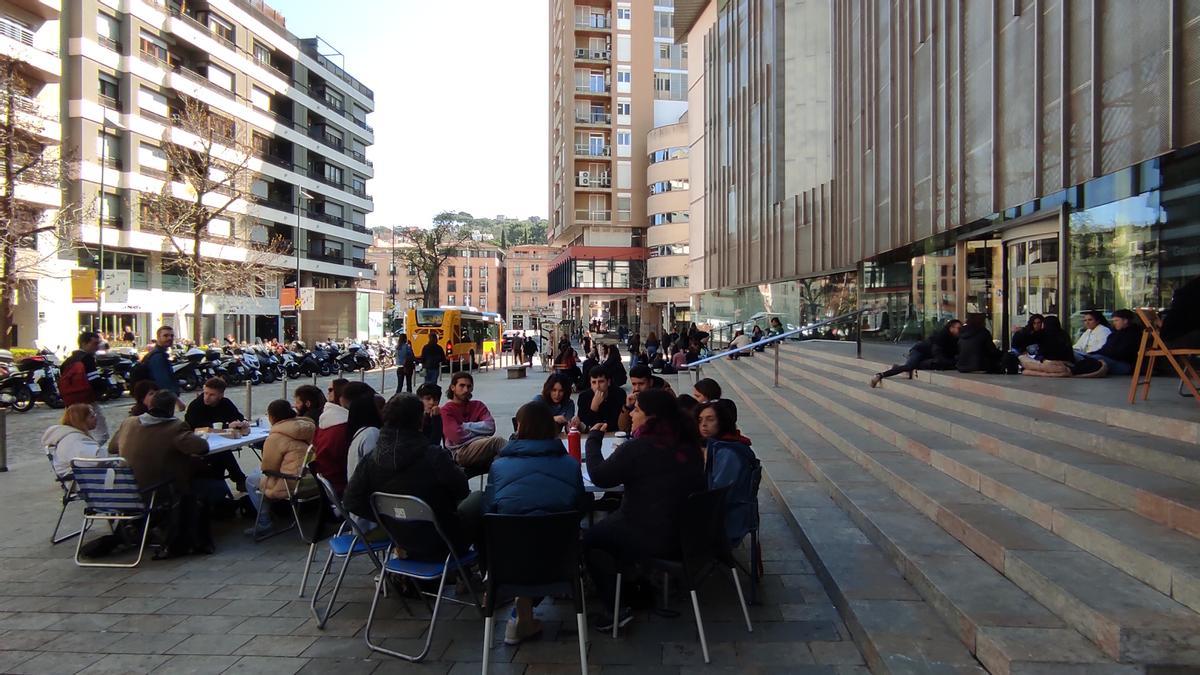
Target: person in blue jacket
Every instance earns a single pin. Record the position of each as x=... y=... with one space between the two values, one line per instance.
x=532 y=475
x=158 y=361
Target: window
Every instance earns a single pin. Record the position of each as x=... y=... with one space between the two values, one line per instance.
x=262 y=53
x=623 y=13
x=483 y=271
x=260 y=98
x=108 y=30
x=670 y=217
x=624 y=138
x=110 y=209
x=466 y=271
x=483 y=302
x=467 y=300
x=151 y=156
x=108 y=148
x=467 y=285
x=536 y=284
x=358 y=184
x=152 y=102
x=450 y=271
x=220 y=77
x=668 y=186
x=623 y=108
x=135 y=264
x=482 y=286
x=450 y=299
x=333 y=174
x=261 y=143
x=663 y=24
x=153 y=47
x=670 y=86
x=110 y=91
x=625 y=76
x=221 y=28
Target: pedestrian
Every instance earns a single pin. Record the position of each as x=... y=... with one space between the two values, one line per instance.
x=406 y=363
x=518 y=348
x=530 y=349
x=432 y=358
x=80 y=382
x=158 y=362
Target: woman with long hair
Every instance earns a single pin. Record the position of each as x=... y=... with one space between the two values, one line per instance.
x=659 y=468
x=72 y=437
x=556 y=394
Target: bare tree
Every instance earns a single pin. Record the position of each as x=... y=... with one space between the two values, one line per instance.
x=426 y=249
x=29 y=238
x=208 y=169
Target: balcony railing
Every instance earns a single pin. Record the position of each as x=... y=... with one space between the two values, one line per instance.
x=359 y=228
x=320 y=176
x=321 y=134
x=357 y=192
x=361 y=264
x=601 y=181
x=586 y=150
x=110 y=102
x=311 y=50
x=593 y=215
x=109 y=43
x=592 y=88
x=360 y=157
x=271 y=203
x=325 y=217
x=593 y=118
x=593 y=21
x=592 y=54
x=325 y=256
x=17 y=33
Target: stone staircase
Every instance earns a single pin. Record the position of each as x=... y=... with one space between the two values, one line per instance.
x=1048 y=533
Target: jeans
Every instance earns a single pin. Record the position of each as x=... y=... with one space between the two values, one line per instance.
x=210 y=489
x=225 y=462
x=404 y=379
x=256 y=498
x=1115 y=367
x=432 y=375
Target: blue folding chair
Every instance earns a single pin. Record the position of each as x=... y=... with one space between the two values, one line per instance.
x=69 y=495
x=393 y=513
x=111 y=494
x=344 y=545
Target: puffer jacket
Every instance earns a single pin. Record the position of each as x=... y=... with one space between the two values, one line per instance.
x=533 y=476
x=331 y=442
x=68 y=443
x=284 y=452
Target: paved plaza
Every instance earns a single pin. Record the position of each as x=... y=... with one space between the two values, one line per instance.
x=237 y=611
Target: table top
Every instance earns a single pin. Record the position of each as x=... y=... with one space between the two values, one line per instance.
x=218 y=443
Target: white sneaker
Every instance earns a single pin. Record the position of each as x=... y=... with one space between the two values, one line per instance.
x=515 y=635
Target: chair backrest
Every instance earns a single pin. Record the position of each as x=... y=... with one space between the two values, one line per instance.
x=734 y=465
x=107 y=484
x=64 y=481
x=702 y=527
x=531 y=550
x=405 y=516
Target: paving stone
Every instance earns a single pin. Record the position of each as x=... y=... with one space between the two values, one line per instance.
x=192 y=606
x=276 y=645
x=30 y=620
x=260 y=665
x=11 y=658
x=85 y=622
x=120 y=664
x=217 y=625
x=210 y=644
x=835 y=653
x=773 y=653
x=137 y=605
x=55 y=662
x=16 y=640
x=269 y=625
x=473 y=667
x=689 y=653
x=348 y=666
x=187 y=664
x=145 y=643
x=81 y=641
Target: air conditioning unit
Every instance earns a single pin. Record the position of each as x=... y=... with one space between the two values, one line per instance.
x=581 y=53
x=584 y=178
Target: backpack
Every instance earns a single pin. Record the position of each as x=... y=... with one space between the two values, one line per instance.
x=139 y=372
x=734 y=464
x=73 y=384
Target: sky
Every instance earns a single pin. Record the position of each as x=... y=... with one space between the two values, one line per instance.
x=461 y=92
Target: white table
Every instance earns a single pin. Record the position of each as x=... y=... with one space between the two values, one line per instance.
x=219 y=443
x=607 y=446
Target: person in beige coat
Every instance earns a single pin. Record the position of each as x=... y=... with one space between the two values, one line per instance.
x=283 y=452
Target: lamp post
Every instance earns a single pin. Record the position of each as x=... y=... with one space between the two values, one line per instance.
x=100 y=226
x=300 y=192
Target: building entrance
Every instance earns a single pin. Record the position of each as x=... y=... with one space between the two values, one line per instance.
x=1033 y=278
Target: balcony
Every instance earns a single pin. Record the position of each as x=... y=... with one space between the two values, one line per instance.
x=327 y=256
x=357 y=192
x=593 y=216
x=595 y=55
x=593 y=22
x=272 y=203
x=603 y=181
x=593 y=89
x=109 y=102
x=602 y=119
x=588 y=150
x=17 y=43
x=109 y=43
x=309 y=48
x=361 y=264
x=319 y=133
x=325 y=217
x=320 y=177
x=360 y=157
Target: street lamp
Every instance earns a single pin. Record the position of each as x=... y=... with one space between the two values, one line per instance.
x=300 y=192
x=104 y=147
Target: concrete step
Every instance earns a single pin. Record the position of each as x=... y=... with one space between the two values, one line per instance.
x=1156 y=555
x=1126 y=619
x=1083 y=399
x=1160 y=497
x=981 y=609
x=1178 y=458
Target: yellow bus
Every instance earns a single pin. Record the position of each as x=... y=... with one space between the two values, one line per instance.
x=467 y=335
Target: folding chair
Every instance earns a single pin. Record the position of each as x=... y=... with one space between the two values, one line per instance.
x=1153 y=347
x=69 y=494
x=342 y=545
x=394 y=513
x=703 y=545
x=532 y=556
x=297 y=495
x=111 y=494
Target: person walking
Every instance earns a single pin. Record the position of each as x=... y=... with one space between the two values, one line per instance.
x=518 y=348
x=80 y=381
x=432 y=358
x=406 y=363
x=158 y=362
x=530 y=349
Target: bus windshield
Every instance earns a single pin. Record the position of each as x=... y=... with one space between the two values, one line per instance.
x=430 y=317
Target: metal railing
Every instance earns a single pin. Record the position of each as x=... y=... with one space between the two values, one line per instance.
x=796 y=333
x=593 y=88
x=592 y=54
x=593 y=118
x=597 y=215
x=585 y=150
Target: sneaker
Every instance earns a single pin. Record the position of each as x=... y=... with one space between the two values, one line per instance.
x=604 y=622
x=515 y=634
x=876 y=379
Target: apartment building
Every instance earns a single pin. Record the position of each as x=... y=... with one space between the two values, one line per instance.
x=474 y=277
x=128 y=68
x=615 y=73
x=527 y=276
x=667 y=211
x=394 y=277
x=29 y=36
x=1040 y=158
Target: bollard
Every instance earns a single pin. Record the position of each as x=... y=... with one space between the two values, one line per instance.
x=285 y=387
x=383 y=380
x=3 y=440
x=314 y=379
x=362 y=375
x=776 y=364
x=249 y=401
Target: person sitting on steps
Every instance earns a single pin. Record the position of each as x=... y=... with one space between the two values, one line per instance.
x=937 y=352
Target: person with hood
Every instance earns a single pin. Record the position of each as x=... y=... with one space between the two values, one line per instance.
x=1055 y=355
x=404 y=463
x=615 y=368
x=80 y=381
x=532 y=475
x=1095 y=333
x=556 y=394
x=1029 y=335
x=1120 y=350
x=757 y=335
x=72 y=437
x=938 y=352
x=283 y=452
x=977 y=352
x=159 y=447
x=468 y=427
x=331 y=442
x=659 y=468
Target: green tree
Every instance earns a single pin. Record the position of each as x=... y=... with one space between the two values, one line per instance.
x=427 y=248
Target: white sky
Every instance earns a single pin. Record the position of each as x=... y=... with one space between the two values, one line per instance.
x=461 y=90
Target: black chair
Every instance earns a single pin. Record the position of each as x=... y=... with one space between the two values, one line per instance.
x=704 y=547
x=535 y=555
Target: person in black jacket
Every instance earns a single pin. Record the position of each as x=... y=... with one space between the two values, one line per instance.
x=977 y=352
x=205 y=411
x=659 y=468
x=404 y=463
x=1181 y=322
x=432 y=358
x=1120 y=350
x=938 y=352
x=601 y=404
x=89 y=344
x=616 y=369
x=431 y=421
x=1029 y=335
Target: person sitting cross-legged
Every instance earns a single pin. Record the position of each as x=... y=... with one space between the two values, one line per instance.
x=1120 y=349
x=208 y=410
x=284 y=453
x=468 y=427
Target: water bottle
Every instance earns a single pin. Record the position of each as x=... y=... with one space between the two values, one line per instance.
x=573 y=444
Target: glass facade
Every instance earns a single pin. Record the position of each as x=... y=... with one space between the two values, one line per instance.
x=808 y=299
x=598 y=274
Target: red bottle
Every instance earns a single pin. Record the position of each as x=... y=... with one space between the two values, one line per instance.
x=573 y=445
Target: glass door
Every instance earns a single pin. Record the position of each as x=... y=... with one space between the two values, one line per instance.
x=985 y=283
x=1032 y=279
